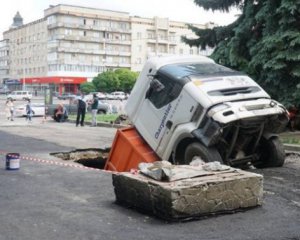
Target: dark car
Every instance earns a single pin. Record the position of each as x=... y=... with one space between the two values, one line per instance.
x=65 y=96
x=103 y=108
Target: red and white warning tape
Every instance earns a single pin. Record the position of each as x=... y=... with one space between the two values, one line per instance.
x=51 y=162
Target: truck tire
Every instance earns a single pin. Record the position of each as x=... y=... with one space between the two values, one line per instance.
x=272 y=155
x=206 y=154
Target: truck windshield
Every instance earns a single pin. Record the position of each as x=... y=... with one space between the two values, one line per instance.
x=204 y=69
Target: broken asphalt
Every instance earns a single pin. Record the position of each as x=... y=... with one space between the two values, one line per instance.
x=48 y=198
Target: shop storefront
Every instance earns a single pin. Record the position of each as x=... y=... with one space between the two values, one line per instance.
x=12 y=84
x=60 y=85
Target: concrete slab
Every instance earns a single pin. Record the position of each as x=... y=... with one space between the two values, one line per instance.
x=213 y=193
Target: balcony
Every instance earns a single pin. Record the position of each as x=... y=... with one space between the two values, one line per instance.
x=87 y=27
x=118 y=41
x=117 y=53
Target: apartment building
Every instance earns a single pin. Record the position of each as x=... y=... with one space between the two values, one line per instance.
x=159 y=37
x=73 y=44
x=4 y=59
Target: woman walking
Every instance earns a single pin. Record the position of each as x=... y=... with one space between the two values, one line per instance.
x=9 y=109
x=28 y=111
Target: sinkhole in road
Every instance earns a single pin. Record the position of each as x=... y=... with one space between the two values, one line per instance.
x=93 y=158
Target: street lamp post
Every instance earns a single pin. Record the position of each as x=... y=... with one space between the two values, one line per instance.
x=24 y=83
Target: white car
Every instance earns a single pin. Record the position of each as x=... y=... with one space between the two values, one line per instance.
x=38 y=109
x=20 y=95
x=117 y=96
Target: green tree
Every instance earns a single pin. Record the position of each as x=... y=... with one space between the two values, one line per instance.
x=127 y=79
x=87 y=87
x=264 y=42
x=119 y=80
x=106 y=82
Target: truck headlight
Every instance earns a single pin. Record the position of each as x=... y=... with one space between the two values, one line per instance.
x=218 y=108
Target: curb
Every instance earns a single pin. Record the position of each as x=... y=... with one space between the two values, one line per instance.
x=102 y=124
x=292 y=147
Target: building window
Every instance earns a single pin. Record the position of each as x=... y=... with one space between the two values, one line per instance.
x=139 y=35
x=96 y=34
x=138 y=60
x=172 y=50
x=68 y=31
x=51 y=19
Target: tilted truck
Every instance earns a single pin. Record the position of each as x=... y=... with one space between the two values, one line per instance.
x=189 y=108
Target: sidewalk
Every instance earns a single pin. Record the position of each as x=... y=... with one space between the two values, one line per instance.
x=64 y=134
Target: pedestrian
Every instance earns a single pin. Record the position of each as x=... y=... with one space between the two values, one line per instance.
x=9 y=109
x=292 y=115
x=81 y=110
x=94 y=107
x=60 y=113
x=29 y=111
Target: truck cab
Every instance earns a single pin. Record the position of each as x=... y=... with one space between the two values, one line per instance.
x=189 y=108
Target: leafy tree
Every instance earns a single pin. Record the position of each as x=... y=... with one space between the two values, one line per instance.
x=106 y=82
x=87 y=87
x=264 y=42
x=127 y=79
x=119 y=80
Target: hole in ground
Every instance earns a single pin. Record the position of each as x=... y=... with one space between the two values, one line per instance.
x=94 y=158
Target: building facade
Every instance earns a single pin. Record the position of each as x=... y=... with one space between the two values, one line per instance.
x=73 y=44
x=4 y=59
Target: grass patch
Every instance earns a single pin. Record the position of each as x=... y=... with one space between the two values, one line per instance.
x=287 y=138
x=100 y=117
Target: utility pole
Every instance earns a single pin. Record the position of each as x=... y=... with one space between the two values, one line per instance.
x=24 y=83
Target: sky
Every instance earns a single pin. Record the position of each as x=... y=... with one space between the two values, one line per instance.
x=176 y=10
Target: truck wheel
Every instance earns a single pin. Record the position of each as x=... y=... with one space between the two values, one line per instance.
x=272 y=155
x=197 y=150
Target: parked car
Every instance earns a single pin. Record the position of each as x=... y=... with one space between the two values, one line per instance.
x=103 y=108
x=55 y=94
x=71 y=108
x=117 y=96
x=101 y=95
x=65 y=96
x=4 y=91
x=20 y=95
x=38 y=109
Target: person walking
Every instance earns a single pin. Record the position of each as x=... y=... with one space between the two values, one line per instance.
x=94 y=107
x=81 y=110
x=28 y=111
x=9 y=109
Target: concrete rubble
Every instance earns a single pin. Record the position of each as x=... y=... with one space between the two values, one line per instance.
x=208 y=192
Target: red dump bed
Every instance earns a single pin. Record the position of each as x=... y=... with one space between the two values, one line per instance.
x=128 y=150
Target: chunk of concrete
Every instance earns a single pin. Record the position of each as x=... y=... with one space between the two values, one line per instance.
x=213 y=193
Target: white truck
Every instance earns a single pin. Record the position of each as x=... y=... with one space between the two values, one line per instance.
x=189 y=108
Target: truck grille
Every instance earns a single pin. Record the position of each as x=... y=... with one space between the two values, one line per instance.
x=234 y=91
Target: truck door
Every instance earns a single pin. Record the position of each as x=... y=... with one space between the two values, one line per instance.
x=158 y=108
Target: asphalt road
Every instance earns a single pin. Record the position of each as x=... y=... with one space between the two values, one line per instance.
x=47 y=200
